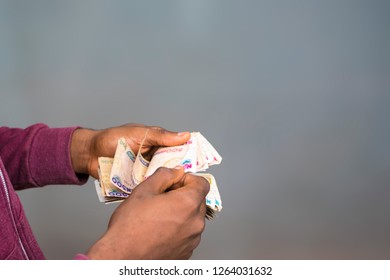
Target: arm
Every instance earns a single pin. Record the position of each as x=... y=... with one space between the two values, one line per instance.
x=38 y=156
x=162 y=219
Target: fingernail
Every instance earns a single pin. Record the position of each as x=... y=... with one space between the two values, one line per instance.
x=178 y=167
x=181 y=133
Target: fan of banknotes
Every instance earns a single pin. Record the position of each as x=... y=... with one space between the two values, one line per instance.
x=118 y=176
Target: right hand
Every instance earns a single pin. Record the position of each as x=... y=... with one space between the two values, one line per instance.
x=163 y=218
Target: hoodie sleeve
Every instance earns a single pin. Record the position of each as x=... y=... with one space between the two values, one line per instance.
x=38 y=155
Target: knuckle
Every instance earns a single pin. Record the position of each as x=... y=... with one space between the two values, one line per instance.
x=163 y=171
x=200 y=225
x=202 y=183
x=159 y=128
x=139 y=193
x=165 y=174
x=190 y=199
x=201 y=180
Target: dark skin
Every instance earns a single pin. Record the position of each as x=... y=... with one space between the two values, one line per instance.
x=165 y=215
x=87 y=145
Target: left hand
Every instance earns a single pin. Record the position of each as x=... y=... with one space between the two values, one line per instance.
x=87 y=145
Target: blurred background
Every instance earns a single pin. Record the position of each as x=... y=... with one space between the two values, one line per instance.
x=294 y=95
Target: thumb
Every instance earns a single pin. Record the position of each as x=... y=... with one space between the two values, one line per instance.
x=162 y=179
x=158 y=136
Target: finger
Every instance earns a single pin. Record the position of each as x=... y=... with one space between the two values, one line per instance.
x=162 y=179
x=158 y=136
x=197 y=184
x=134 y=125
x=193 y=186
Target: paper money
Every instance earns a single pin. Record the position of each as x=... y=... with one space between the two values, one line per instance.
x=118 y=176
x=196 y=155
x=108 y=189
x=122 y=167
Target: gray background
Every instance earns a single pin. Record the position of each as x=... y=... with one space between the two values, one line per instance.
x=294 y=95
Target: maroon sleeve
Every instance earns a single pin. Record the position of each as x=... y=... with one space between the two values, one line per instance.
x=38 y=156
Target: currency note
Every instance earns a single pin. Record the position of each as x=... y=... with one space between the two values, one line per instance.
x=107 y=187
x=118 y=176
x=122 y=167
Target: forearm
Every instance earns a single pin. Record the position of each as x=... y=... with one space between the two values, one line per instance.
x=38 y=156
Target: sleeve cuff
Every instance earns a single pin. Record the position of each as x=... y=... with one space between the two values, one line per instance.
x=50 y=161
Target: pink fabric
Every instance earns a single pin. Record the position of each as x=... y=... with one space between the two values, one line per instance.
x=31 y=157
x=81 y=257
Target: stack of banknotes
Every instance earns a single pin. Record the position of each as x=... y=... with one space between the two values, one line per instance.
x=118 y=176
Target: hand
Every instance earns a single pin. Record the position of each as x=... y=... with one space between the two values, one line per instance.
x=162 y=219
x=87 y=145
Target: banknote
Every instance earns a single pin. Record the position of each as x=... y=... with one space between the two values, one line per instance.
x=107 y=187
x=196 y=155
x=184 y=155
x=213 y=198
x=140 y=168
x=122 y=167
x=118 y=176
